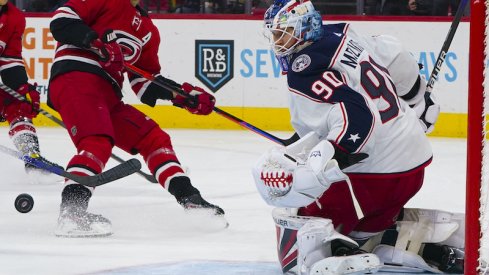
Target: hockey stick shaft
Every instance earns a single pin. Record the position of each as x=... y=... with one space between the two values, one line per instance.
x=58 y=121
x=446 y=45
x=221 y=112
x=122 y=170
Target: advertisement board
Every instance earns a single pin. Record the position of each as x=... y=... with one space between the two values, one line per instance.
x=232 y=59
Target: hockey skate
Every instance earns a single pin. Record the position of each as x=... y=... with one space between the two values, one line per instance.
x=74 y=221
x=196 y=201
x=202 y=214
x=446 y=258
x=24 y=136
x=78 y=223
x=40 y=176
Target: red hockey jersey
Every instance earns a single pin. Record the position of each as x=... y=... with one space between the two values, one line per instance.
x=136 y=34
x=12 y=26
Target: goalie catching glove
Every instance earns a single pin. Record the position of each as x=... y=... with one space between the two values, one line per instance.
x=283 y=181
x=196 y=100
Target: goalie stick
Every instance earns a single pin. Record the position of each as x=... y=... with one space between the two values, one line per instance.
x=58 y=121
x=122 y=170
x=446 y=45
x=221 y=112
x=441 y=58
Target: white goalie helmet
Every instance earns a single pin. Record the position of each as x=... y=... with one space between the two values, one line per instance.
x=290 y=23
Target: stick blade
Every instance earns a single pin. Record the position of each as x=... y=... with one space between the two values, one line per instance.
x=120 y=171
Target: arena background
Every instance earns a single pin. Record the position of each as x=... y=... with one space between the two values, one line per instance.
x=228 y=54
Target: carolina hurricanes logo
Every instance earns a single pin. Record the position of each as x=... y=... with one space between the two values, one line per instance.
x=131 y=45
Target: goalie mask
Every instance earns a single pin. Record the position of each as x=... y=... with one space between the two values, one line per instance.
x=290 y=23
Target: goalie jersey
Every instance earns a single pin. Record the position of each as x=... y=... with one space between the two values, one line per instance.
x=340 y=88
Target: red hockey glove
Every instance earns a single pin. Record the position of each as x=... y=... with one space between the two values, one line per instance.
x=197 y=101
x=29 y=108
x=111 y=58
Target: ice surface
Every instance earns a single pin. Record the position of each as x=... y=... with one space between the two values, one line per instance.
x=152 y=233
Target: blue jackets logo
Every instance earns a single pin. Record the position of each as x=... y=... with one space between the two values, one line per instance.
x=214 y=62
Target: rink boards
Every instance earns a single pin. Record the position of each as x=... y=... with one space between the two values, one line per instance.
x=231 y=58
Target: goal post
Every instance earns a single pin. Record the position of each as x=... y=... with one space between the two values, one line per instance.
x=476 y=249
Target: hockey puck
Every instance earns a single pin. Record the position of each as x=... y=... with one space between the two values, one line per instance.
x=24 y=203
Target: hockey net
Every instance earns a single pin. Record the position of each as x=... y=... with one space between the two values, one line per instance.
x=477 y=197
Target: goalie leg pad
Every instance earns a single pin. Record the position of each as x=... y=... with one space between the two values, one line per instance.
x=420 y=231
x=314 y=241
x=446 y=227
x=398 y=260
x=360 y=263
x=302 y=241
x=287 y=223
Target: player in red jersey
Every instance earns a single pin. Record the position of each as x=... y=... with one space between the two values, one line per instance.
x=12 y=70
x=86 y=77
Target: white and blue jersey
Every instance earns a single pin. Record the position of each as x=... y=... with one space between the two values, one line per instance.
x=341 y=89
